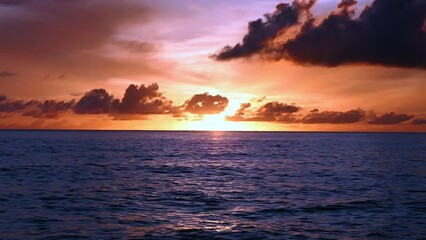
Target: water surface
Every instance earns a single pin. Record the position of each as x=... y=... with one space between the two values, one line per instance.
x=212 y=185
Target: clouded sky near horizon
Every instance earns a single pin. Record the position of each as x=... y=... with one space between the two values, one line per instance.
x=186 y=64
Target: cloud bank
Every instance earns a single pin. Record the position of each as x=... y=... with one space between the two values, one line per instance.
x=391 y=118
x=291 y=114
x=335 y=117
x=137 y=102
x=269 y=112
x=141 y=101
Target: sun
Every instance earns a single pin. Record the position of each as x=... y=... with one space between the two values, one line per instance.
x=217 y=122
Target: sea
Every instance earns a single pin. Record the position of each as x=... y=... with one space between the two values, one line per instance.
x=212 y=185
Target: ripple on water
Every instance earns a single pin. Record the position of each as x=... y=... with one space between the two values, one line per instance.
x=201 y=185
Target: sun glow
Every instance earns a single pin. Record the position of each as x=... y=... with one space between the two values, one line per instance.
x=216 y=123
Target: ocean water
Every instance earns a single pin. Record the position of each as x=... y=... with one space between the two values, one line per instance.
x=212 y=185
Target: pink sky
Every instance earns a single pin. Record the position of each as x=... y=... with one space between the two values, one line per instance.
x=60 y=50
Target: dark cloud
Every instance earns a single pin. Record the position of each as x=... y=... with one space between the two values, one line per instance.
x=263 y=30
x=145 y=100
x=334 y=117
x=279 y=112
x=97 y=101
x=269 y=112
x=345 y=4
x=205 y=104
x=11 y=106
x=390 y=118
x=7 y=74
x=138 y=102
x=47 y=109
x=142 y=100
x=389 y=33
x=35 y=108
x=418 y=121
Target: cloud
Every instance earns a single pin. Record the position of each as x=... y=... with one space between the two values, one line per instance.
x=137 y=103
x=205 y=103
x=390 y=118
x=334 y=117
x=388 y=33
x=269 y=112
x=261 y=31
x=47 y=109
x=284 y=113
x=141 y=101
x=145 y=100
x=97 y=101
x=7 y=74
x=418 y=121
x=11 y=106
x=346 y=4
x=35 y=108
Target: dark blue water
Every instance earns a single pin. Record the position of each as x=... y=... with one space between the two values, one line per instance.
x=206 y=185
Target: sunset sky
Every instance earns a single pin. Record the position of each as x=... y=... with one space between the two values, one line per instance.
x=325 y=65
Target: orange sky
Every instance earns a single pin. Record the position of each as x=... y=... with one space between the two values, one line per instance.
x=62 y=50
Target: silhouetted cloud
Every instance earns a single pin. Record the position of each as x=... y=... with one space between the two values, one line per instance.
x=145 y=100
x=269 y=112
x=140 y=101
x=47 y=109
x=261 y=31
x=334 y=117
x=418 y=121
x=390 y=118
x=7 y=74
x=345 y=4
x=137 y=103
x=205 y=104
x=35 y=108
x=97 y=101
x=390 y=33
x=11 y=105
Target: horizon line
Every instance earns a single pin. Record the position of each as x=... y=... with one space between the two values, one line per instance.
x=181 y=130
